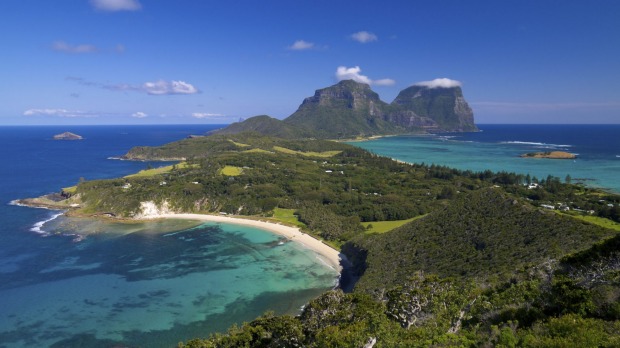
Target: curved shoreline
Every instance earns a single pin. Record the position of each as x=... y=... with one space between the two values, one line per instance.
x=331 y=256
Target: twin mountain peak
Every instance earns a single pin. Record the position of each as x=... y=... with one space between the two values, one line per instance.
x=350 y=109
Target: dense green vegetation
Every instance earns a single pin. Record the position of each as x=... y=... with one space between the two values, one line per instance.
x=484 y=235
x=483 y=261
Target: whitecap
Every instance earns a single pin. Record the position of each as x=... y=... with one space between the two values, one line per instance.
x=538 y=144
x=37 y=227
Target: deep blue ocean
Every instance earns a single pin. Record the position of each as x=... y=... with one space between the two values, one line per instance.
x=155 y=284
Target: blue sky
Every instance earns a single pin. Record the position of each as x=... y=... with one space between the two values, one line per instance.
x=199 y=61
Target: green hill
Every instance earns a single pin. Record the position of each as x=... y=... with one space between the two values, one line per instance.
x=266 y=125
x=485 y=235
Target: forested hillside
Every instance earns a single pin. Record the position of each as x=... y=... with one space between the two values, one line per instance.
x=484 y=236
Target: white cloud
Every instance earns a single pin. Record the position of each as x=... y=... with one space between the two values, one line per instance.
x=301 y=45
x=364 y=37
x=439 y=83
x=353 y=73
x=162 y=87
x=159 y=87
x=116 y=5
x=139 y=114
x=205 y=115
x=61 y=46
x=59 y=113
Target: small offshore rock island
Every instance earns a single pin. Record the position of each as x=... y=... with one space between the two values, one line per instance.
x=67 y=136
x=550 y=155
x=438 y=256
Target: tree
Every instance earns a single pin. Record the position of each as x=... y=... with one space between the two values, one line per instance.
x=423 y=298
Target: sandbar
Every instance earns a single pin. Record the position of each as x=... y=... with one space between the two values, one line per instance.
x=327 y=254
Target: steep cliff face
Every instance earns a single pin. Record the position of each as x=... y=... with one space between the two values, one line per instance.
x=436 y=109
x=345 y=109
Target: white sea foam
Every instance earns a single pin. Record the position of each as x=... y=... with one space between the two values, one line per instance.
x=37 y=227
x=545 y=145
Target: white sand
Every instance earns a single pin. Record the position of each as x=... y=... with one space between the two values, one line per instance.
x=327 y=254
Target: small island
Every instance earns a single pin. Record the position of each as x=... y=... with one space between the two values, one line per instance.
x=551 y=155
x=67 y=136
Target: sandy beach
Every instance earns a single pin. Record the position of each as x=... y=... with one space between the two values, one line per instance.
x=326 y=253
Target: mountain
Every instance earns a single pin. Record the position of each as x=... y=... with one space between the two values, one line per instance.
x=350 y=109
x=433 y=108
x=346 y=109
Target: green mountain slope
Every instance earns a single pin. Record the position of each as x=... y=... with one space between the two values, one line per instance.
x=266 y=125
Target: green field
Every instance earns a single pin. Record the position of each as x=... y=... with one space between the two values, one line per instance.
x=323 y=154
x=599 y=221
x=287 y=216
x=257 y=150
x=385 y=226
x=231 y=171
x=146 y=173
x=238 y=144
x=70 y=190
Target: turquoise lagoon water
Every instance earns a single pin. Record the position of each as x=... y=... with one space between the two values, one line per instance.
x=497 y=148
x=67 y=282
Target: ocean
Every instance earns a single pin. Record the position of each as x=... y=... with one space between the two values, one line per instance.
x=67 y=282
x=497 y=148
x=157 y=283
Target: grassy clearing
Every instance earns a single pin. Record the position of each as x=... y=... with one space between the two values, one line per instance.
x=385 y=226
x=146 y=173
x=239 y=144
x=324 y=154
x=231 y=171
x=257 y=151
x=287 y=216
x=599 y=221
x=70 y=190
